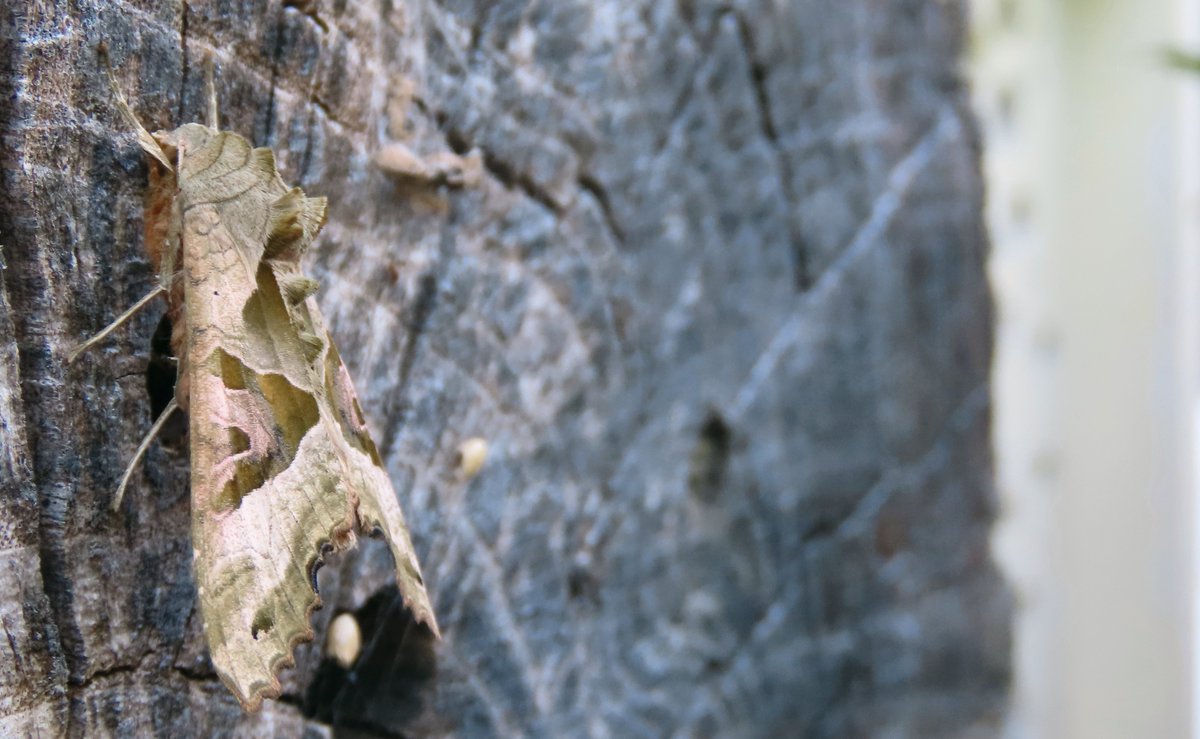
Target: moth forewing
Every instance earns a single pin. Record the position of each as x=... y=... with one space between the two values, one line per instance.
x=278 y=473
x=283 y=468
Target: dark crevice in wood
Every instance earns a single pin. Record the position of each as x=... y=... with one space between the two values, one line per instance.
x=110 y=671
x=291 y=699
x=422 y=308
x=276 y=53
x=507 y=174
x=423 y=305
x=709 y=461
x=25 y=286
x=307 y=8
x=477 y=27
x=58 y=586
x=457 y=142
x=179 y=645
x=758 y=79
x=196 y=676
x=315 y=98
x=514 y=179
x=306 y=159
x=22 y=293
x=160 y=375
x=591 y=185
x=183 y=48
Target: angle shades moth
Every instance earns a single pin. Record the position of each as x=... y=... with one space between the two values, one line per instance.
x=283 y=467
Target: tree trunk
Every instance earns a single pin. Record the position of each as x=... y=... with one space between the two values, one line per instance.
x=718 y=305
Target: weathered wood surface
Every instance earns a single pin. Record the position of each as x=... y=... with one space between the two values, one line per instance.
x=718 y=303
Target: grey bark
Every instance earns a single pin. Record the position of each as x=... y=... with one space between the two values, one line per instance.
x=718 y=304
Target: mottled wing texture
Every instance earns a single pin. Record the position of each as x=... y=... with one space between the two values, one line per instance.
x=283 y=469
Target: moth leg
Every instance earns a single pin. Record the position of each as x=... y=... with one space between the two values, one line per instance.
x=141 y=451
x=210 y=88
x=145 y=140
x=80 y=349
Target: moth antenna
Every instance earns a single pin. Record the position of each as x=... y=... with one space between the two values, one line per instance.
x=145 y=140
x=81 y=348
x=141 y=451
x=210 y=88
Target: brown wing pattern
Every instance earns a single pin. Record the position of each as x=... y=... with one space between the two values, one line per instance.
x=282 y=465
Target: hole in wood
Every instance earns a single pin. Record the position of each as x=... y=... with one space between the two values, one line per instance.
x=161 y=373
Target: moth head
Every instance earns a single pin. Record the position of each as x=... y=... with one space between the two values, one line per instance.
x=192 y=134
x=168 y=142
x=197 y=141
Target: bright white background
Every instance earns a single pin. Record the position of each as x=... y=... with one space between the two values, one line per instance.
x=1092 y=154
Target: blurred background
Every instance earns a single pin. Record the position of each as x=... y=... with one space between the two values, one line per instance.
x=1091 y=158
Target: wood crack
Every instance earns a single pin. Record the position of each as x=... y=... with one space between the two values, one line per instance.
x=591 y=185
x=308 y=9
x=276 y=53
x=183 y=48
x=802 y=280
x=514 y=179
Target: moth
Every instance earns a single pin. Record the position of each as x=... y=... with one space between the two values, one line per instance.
x=283 y=467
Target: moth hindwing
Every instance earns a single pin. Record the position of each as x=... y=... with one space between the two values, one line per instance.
x=283 y=467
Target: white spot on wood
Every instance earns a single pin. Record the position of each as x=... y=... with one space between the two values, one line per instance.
x=472 y=454
x=344 y=641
